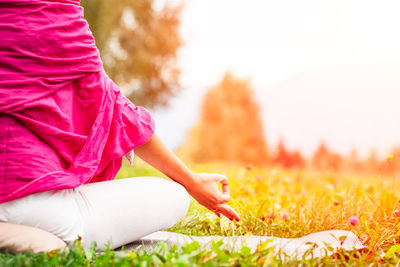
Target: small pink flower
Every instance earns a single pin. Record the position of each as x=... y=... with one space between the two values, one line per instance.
x=285 y=216
x=354 y=220
x=271 y=216
x=396 y=213
x=258 y=178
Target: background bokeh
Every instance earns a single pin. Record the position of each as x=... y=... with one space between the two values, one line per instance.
x=323 y=73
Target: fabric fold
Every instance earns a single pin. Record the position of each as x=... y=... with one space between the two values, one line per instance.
x=64 y=121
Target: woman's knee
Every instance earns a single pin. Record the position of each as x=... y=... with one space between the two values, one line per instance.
x=131 y=208
x=179 y=205
x=184 y=197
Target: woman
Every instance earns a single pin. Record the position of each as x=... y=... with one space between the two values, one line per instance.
x=65 y=128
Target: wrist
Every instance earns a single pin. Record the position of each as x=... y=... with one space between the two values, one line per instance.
x=189 y=179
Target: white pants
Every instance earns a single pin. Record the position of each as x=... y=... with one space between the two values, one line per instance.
x=115 y=212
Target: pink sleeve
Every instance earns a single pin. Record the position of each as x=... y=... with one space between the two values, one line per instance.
x=137 y=126
x=131 y=127
x=64 y=121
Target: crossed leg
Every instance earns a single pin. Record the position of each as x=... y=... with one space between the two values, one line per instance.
x=114 y=212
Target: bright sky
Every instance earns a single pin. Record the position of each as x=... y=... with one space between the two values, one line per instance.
x=322 y=70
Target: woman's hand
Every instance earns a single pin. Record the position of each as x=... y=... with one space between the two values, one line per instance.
x=204 y=188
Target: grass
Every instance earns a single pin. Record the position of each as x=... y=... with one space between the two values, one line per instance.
x=312 y=201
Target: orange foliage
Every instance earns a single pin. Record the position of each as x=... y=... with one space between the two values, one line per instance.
x=288 y=159
x=230 y=127
x=324 y=159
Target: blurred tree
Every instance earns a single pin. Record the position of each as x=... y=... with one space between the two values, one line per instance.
x=230 y=127
x=288 y=159
x=138 y=46
x=324 y=159
x=394 y=159
x=353 y=162
x=372 y=163
x=281 y=155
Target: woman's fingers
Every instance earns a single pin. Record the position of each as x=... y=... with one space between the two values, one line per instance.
x=208 y=195
x=228 y=212
x=225 y=188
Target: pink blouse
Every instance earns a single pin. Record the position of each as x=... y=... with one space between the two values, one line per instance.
x=63 y=121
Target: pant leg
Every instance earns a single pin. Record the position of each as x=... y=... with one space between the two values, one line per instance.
x=124 y=210
x=54 y=211
x=114 y=212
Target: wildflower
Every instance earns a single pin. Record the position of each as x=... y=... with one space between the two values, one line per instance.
x=271 y=216
x=285 y=216
x=396 y=213
x=262 y=218
x=249 y=166
x=335 y=202
x=389 y=159
x=354 y=220
x=52 y=253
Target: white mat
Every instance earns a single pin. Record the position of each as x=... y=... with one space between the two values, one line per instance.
x=313 y=245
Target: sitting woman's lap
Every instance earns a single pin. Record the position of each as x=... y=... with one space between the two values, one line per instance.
x=113 y=212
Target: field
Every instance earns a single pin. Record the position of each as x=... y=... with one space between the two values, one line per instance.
x=272 y=202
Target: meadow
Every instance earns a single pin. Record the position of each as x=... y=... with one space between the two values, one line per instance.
x=273 y=202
